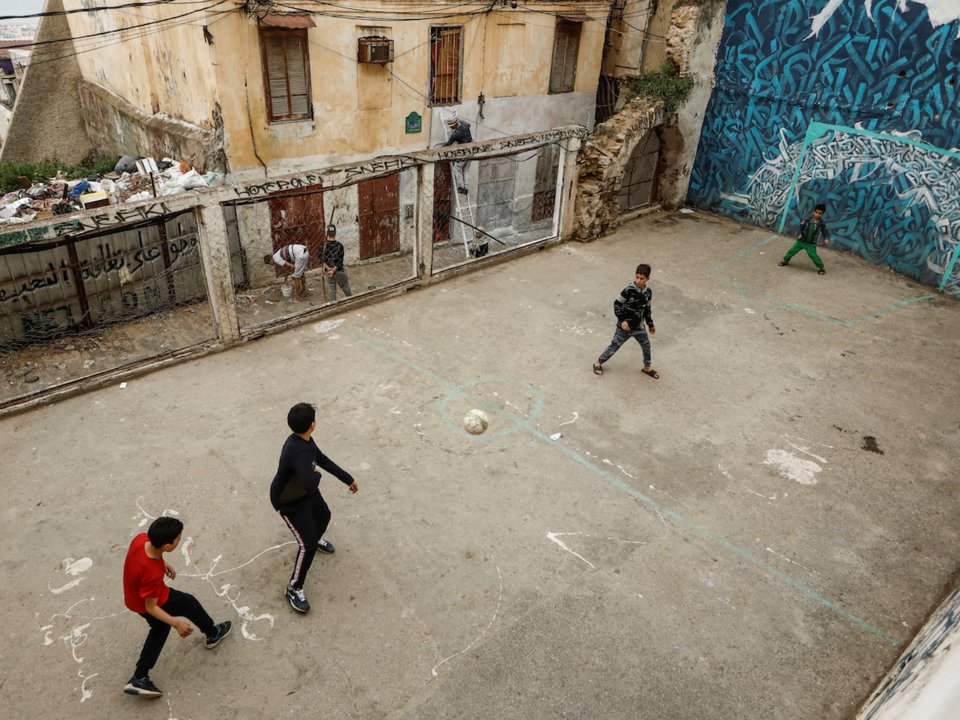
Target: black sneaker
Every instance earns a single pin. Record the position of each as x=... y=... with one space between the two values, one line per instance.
x=298 y=600
x=782 y=263
x=219 y=633
x=142 y=686
x=821 y=271
x=325 y=546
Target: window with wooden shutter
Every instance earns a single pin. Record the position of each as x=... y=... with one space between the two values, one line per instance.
x=566 y=45
x=445 y=55
x=286 y=74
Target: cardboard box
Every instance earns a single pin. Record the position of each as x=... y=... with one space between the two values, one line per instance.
x=94 y=200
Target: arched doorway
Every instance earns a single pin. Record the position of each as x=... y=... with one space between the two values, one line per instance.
x=639 y=186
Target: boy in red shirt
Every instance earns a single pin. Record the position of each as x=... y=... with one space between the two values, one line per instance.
x=145 y=592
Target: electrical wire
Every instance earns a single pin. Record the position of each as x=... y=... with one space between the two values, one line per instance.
x=42 y=57
x=42 y=43
x=61 y=13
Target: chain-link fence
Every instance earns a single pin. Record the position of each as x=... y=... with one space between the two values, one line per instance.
x=77 y=306
x=85 y=298
x=344 y=242
x=506 y=202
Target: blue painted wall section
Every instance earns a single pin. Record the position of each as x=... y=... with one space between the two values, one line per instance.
x=864 y=115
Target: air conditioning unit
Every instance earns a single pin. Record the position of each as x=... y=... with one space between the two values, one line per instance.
x=377 y=50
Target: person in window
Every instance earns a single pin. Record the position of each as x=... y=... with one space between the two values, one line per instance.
x=459 y=133
x=333 y=265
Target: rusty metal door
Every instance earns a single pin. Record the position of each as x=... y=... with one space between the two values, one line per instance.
x=442 y=207
x=639 y=186
x=296 y=217
x=379 y=216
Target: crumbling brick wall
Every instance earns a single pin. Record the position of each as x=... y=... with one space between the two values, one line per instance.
x=682 y=35
x=602 y=163
x=47 y=118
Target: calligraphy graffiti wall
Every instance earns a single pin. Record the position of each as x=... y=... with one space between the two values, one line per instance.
x=883 y=75
x=47 y=289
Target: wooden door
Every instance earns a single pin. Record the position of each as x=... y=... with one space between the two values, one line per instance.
x=297 y=218
x=442 y=205
x=379 y=215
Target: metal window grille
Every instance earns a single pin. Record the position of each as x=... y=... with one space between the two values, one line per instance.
x=286 y=73
x=445 y=55
x=563 y=72
x=545 y=183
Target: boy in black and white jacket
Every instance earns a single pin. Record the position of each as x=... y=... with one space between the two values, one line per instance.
x=634 y=318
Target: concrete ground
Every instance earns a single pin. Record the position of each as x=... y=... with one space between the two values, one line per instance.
x=755 y=535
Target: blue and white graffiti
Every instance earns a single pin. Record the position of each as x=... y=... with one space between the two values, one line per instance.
x=879 y=80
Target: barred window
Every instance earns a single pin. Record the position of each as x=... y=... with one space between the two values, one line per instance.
x=445 y=55
x=286 y=73
x=565 y=48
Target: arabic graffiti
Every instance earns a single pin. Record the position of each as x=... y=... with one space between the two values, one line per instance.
x=82 y=282
x=385 y=165
x=912 y=216
x=890 y=72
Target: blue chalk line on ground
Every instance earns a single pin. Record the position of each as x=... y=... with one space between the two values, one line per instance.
x=464 y=390
x=744 y=291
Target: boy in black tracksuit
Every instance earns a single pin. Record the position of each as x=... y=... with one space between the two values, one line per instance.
x=632 y=308
x=295 y=494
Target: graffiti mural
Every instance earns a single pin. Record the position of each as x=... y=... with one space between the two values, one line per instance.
x=864 y=94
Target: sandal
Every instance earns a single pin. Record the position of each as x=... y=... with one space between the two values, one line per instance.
x=651 y=372
x=597 y=369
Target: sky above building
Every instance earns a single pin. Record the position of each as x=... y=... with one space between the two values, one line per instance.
x=19 y=7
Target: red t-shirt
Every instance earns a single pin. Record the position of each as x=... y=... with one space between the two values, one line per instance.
x=143 y=577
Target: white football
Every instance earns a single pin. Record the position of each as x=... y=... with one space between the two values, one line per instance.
x=475 y=422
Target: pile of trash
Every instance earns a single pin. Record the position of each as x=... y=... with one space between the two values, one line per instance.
x=133 y=180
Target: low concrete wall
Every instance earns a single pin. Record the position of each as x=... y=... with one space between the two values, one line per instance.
x=923 y=684
x=118 y=127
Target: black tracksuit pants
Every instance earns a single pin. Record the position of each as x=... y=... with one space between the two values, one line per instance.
x=307 y=520
x=179 y=604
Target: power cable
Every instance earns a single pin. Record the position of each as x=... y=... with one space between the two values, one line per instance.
x=41 y=43
x=55 y=13
x=42 y=57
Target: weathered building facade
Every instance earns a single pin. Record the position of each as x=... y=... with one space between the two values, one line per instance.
x=261 y=87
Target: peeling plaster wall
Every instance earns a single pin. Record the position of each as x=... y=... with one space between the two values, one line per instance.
x=47 y=120
x=626 y=38
x=602 y=163
x=868 y=94
x=358 y=110
x=692 y=44
x=115 y=126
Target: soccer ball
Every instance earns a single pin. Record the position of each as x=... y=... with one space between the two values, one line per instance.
x=475 y=422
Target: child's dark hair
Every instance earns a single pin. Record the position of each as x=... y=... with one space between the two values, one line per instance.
x=300 y=417
x=643 y=269
x=821 y=207
x=163 y=531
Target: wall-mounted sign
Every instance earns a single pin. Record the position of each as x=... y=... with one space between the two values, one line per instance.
x=414 y=123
